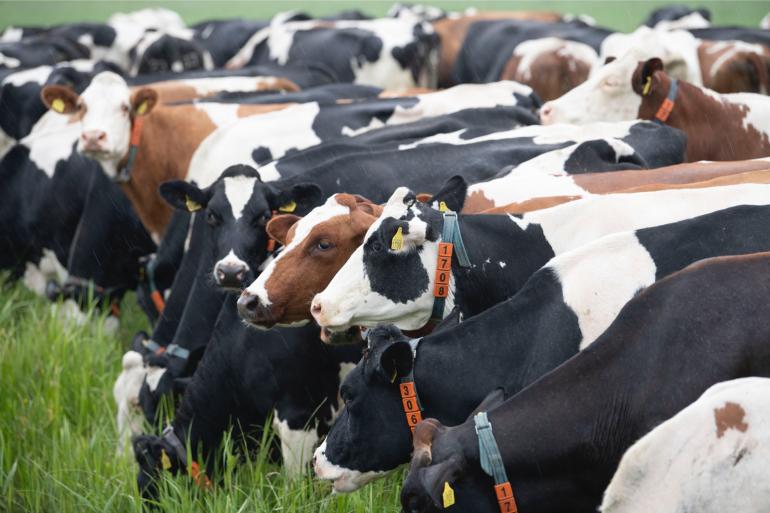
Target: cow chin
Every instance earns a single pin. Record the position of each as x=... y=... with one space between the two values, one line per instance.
x=344 y=480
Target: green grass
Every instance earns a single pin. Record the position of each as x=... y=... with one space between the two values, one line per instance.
x=621 y=15
x=57 y=431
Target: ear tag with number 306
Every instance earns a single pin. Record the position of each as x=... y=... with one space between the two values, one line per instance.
x=397 y=242
x=448 y=495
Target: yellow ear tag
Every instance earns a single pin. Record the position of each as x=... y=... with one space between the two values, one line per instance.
x=397 y=242
x=289 y=207
x=192 y=206
x=395 y=375
x=442 y=207
x=165 y=461
x=448 y=495
x=647 y=86
x=142 y=108
x=58 y=105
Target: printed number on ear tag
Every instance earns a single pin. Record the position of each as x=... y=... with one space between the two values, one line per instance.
x=442 y=207
x=165 y=461
x=289 y=207
x=192 y=205
x=58 y=105
x=647 y=86
x=397 y=242
x=448 y=495
x=142 y=108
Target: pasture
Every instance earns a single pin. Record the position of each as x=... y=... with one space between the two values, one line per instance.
x=57 y=412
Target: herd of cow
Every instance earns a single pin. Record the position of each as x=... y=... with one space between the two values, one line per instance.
x=577 y=287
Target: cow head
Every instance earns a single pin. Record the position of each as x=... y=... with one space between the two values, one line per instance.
x=106 y=111
x=390 y=277
x=607 y=95
x=316 y=247
x=371 y=436
x=237 y=207
x=154 y=454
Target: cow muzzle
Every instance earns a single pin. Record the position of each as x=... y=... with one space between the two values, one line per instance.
x=93 y=142
x=231 y=275
x=255 y=312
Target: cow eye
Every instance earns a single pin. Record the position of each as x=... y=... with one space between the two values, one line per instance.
x=377 y=245
x=212 y=218
x=324 y=244
x=124 y=108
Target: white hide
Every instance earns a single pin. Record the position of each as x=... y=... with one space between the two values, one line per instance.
x=345 y=480
x=689 y=463
x=349 y=299
x=297 y=446
x=126 y=395
x=693 y=20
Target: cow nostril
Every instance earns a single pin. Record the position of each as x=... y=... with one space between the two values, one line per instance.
x=315 y=308
x=220 y=275
x=247 y=304
x=102 y=136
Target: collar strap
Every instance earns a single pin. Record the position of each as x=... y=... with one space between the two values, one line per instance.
x=193 y=468
x=451 y=240
x=492 y=463
x=155 y=295
x=171 y=349
x=409 y=399
x=664 y=111
x=124 y=173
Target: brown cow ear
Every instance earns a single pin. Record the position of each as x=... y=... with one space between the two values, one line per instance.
x=644 y=76
x=60 y=98
x=278 y=227
x=143 y=101
x=424 y=197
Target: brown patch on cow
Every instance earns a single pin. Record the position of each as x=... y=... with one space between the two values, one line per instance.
x=743 y=72
x=306 y=270
x=714 y=126
x=522 y=207
x=730 y=416
x=171 y=91
x=476 y=202
x=736 y=179
x=452 y=32
x=246 y=110
x=551 y=75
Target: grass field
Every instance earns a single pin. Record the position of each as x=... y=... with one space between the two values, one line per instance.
x=57 y=422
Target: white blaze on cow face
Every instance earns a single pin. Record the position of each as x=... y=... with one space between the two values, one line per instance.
x=238 y=192
x=345 y=480
x=351 y=299
x=607 y=95
x=105 y=122
x=302 y=229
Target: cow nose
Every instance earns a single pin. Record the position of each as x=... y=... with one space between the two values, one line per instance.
x=94 y=137
x=316 y=308
x=545 y=112
x=230 y=275
x=247 y=305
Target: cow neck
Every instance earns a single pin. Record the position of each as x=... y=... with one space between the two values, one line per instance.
x=664 y=111
x=168 y=137
x=451 y=243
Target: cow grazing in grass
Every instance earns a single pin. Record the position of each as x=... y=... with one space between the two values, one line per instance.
x=561 y=309
x=562 y=438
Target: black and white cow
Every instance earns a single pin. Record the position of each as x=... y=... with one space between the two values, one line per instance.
x=561 y=310
x=678 y=17
x=245 y=377
x=562 y=438
x=386 y=52
x=372 y=287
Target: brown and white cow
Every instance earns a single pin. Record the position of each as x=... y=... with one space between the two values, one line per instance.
x=109 y=112
x=718 y=127
x=735 y=66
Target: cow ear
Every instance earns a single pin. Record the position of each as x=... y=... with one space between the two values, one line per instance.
x=452 y=193
x=143 y=101
x=642 y=80
x=396 y=360
x=301 y=197
x=184 y=195
x=278 y=227
x=434 y=477
x=60 y=98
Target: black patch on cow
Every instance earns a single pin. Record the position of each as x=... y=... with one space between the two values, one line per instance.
x=673 y=13
x=415 y=54
x=598 y=155
x=657 y=145
x=381 y=265
x=261 y=155
x=161 y=55
x=531 y=102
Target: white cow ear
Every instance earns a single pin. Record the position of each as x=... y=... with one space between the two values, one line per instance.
x=397 y=198
x=60 y=98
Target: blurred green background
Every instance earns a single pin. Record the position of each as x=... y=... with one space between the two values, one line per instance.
x=620 y=15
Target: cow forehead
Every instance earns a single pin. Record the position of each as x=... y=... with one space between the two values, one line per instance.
x=318 y=215
x=106 y=86
x=238 y=191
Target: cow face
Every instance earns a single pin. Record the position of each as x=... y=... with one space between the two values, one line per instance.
x=316 y=247
x=153 y=454
x=106 y=111
x=389 y=279
x=237 y=207
x=371 y=437
x=606 y=96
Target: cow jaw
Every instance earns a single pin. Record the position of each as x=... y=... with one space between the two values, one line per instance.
x=345 y=480
x=107 y=102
